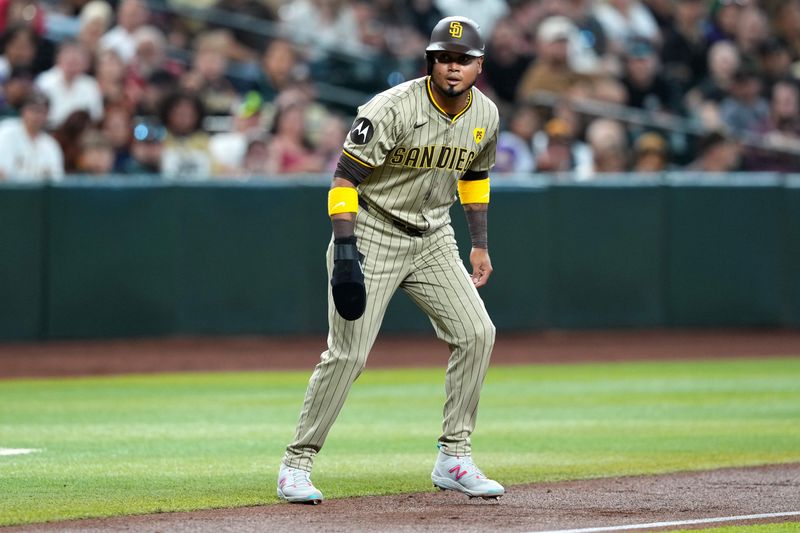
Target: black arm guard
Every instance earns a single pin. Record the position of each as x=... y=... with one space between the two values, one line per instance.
x=347 y=282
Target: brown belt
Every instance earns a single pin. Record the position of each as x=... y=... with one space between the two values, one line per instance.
x=408 y=229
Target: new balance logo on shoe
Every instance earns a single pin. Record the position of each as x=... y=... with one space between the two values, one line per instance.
x=460 y=473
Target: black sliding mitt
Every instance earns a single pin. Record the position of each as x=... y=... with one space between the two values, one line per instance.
x=347 y=282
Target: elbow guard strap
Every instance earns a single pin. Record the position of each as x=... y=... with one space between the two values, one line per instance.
x=474 y=191
x=342 y=200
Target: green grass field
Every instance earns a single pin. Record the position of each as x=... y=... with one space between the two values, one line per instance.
x=140 y=444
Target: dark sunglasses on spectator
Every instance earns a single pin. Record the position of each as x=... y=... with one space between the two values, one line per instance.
x=446 y=58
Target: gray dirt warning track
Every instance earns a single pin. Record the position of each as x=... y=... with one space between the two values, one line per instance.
x=525 y=508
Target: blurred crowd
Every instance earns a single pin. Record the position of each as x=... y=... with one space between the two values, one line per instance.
x=198 y=89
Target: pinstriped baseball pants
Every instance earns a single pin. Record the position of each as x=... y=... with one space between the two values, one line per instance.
x=430 y=271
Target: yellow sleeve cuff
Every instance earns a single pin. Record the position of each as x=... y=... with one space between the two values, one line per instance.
x=474 y=191
x=342 y=200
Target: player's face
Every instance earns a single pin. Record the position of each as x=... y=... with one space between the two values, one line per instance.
x=453 y=74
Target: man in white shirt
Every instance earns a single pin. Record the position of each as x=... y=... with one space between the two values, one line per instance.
x=29 y=154
x=68 y=86
x=131 y=14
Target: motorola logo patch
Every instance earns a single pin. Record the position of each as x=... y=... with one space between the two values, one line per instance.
x=362 y=131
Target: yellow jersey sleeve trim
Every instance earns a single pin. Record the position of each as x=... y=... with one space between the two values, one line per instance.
x=357 y=160
x=342 y=200
x=474 y=191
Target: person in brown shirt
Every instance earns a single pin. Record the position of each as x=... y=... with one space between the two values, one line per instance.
x=551 y=70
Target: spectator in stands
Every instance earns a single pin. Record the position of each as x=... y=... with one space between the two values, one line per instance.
x=150 y=70
x=380 y=23
x=485 y=12
x=28 y=153
x=96 y=155
x=289 y=147
x=506 y=62
x=279 y=69
x=68 y=86
x=328 y=148
x=185 y=154
x=95 y=19
x=28 y=13
x=228 y=148
x=775 y=62
x=515 y=145
x=155 y=89
x=716 y=152
x=588 y=46
x=751 y=31
x=646 y=88
x=386 y=27
x=150 y=52
x=131 y=15
x=207 y=77
x=247 y=43
x=724 y=18
x=18 y=46
x=557 y=155
x=258 y=161
x=785 y=109
x=117 y=129
x=69 y=136
x=663 y=12
x=786 y=23
x=550 y=71
x=780 y=131
x=650 y=153
x=745 y=109
x=110 y=76
x=609 y=144
x=685 y=51
x=324 y=25
x=14 y=91
x=623 y=20
x=147 y=149
x=425 y=14
x=723 y=62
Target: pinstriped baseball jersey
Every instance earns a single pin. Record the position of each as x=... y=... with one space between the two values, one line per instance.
x=417 y=152
x=406 y=155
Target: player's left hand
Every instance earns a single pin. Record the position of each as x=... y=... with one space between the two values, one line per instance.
x=481 y=266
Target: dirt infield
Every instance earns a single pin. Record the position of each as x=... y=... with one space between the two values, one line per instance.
x=609 y=502
x=74 y=358
x=525 y=508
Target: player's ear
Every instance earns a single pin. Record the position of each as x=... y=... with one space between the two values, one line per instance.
x=480 y=64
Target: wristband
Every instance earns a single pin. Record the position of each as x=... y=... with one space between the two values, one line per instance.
x=342 y=200
x=474 y=191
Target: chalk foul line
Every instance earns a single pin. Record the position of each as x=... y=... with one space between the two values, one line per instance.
x=18 y=451
x=675 y=523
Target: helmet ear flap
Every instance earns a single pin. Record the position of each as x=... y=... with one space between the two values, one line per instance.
x=429 y=60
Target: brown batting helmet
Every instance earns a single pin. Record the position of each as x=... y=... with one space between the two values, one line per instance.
x=457 y=34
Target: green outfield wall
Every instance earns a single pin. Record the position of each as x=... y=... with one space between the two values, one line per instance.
x=126 y=258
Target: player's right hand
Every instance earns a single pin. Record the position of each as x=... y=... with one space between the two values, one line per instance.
x=347 y=281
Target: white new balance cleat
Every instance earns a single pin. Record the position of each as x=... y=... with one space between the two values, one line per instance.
x=461 y=474
x=294 y=486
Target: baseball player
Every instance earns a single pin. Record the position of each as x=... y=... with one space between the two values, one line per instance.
x=410 y=150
